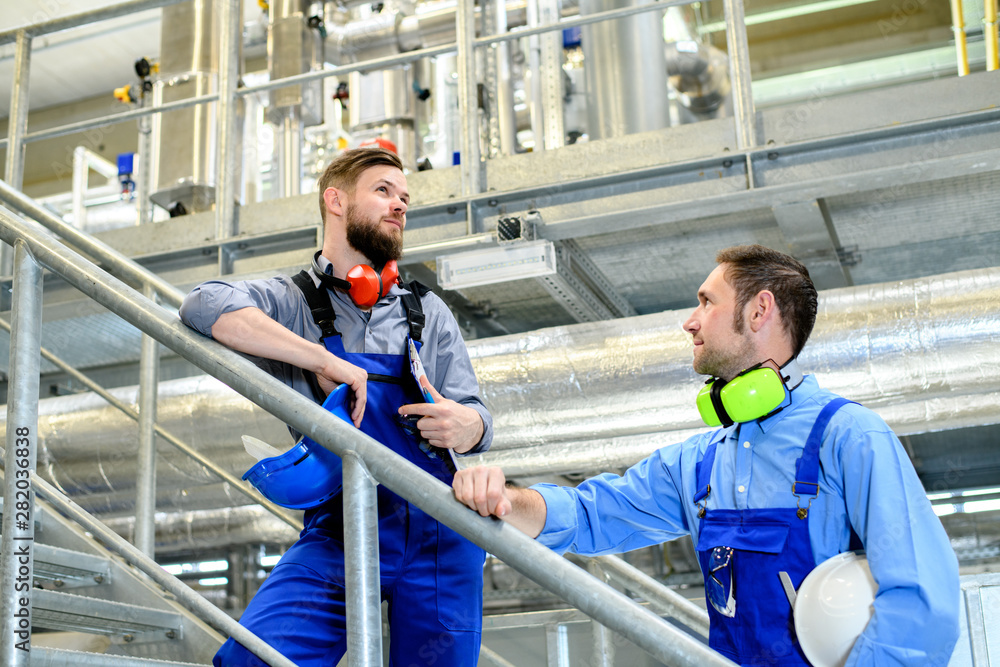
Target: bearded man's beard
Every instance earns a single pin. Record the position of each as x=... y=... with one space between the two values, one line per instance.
x=367 y=237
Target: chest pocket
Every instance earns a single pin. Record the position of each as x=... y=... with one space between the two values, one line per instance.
x=745 y=530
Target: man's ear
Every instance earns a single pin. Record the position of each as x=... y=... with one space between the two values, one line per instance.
x=334 y=200
x=762 y=309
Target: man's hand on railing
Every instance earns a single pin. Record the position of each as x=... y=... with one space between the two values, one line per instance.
x=485 y=490
x=251 y=331
x=336 y=371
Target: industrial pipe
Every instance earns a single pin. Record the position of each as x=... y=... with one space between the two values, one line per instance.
x=958 y=28
x=990 y=34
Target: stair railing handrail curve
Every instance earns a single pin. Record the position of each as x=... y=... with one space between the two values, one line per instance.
x=594 y=598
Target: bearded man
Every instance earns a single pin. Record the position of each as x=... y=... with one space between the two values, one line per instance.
x=348 y=320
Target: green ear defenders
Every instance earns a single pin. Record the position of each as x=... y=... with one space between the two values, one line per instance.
x=754 y=393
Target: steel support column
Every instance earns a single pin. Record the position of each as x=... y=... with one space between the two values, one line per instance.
x=545 y=58
x=739 y=74
x=17 y=127
x=144 y=180
x=227 y=166
x=18 y=530
x=468 y=105
x=364 y=616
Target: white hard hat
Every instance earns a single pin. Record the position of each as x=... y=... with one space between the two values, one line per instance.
x=832 y=608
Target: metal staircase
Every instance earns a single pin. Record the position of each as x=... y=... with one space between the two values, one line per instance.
x=85 y=595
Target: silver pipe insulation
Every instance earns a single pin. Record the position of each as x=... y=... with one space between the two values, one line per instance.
x=584 y=398
x=922 y=353
x=597 y=600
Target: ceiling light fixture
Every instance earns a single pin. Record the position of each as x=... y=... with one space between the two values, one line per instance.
x=503 y=263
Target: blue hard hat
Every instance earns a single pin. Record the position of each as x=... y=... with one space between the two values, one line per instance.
x=308 y=474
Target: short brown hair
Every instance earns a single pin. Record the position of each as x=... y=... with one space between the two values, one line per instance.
x=345 y=170
x=753 y=268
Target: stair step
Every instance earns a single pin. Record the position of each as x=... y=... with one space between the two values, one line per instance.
x=54 y=657
x=55 y=567
x=64 y=611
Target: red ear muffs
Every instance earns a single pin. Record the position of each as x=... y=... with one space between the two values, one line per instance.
x=367 y=286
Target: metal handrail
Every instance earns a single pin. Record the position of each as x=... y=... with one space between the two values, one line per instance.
x=114 y=262
x=83 y=18
x=187 y=596
x=596 y=599
x=660 y=596
x=210 y=465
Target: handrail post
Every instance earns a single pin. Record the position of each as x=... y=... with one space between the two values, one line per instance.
x=144 y=181
x=145 y=486
x=17 y=126
x=361 y=565
x=739 y=74
x=226 y=166
x=603 y=639
x=16 y=561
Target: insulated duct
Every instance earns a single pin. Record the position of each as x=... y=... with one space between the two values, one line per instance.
x=183 y=170
x=574 y=399
x=618 y=105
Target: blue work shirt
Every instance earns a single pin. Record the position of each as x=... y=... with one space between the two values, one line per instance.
x=382 y=330
x=866 y=483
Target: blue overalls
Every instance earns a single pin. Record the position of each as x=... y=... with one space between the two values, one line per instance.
x=741 y=553
x=431 y=576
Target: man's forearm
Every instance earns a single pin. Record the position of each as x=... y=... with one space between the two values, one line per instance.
x=251 y=331
x=527 y=512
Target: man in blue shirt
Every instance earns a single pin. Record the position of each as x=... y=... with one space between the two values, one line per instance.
x=759 y=496
x=430 y=575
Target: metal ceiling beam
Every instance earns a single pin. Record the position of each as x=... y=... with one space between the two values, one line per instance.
x=582 y=289
x=811 y=238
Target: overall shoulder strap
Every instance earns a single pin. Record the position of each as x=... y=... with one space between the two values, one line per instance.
x=414 y=308
x=703 y=471
x=319 y=304
x=807 y=466
x=324 y=316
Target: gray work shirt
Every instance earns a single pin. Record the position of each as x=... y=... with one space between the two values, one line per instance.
x=383 y=330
